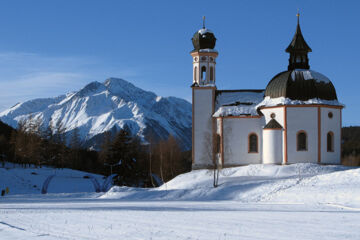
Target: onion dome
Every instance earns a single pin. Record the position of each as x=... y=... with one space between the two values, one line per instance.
x=301 y=84
x=203 y=39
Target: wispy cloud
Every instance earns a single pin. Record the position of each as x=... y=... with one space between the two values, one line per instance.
x=25 y=76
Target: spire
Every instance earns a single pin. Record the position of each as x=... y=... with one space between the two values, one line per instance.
x=298 y=49
x=203 y=22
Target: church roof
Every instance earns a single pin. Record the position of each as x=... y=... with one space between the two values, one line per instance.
x=273 y=124
x=237 y=102
x=301 y=84
x=298 y=42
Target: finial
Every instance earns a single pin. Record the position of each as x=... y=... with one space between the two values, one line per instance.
x=203 y=22
x=298 y=15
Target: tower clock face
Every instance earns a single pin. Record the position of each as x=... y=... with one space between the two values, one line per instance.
x=195 y=59
x=203 y=58
x=211 y=59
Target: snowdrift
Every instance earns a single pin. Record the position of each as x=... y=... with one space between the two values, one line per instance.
x=298 y=183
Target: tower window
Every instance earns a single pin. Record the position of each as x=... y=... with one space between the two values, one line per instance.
x=330 y=142
x=301 y=141
x=195 y=73
x=203 y=73
x=211 y=74
x=253 y=143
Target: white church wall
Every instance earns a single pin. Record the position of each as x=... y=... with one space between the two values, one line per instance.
x=302 y=119
x=203 y=110
x=236 y=133
x=279 y=117
x=278 y=111
x=272 y=146
x=334 y=125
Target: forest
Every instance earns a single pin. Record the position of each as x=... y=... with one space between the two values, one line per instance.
x=133 y=162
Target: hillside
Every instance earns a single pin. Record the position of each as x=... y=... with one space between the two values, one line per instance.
x=297 y=183
x=109 y=106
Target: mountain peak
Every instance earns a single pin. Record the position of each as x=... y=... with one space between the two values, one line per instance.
x=92 y=87
x=109 y=106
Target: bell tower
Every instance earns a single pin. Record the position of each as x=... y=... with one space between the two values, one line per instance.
x=298 y=49
x=204 y=57
x=203 y=98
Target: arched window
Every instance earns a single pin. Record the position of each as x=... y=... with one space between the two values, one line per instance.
x=195 y=73
x=203 y=73
x=211 y=74
x=301 y=141
x=330 y=141
x=253 y=143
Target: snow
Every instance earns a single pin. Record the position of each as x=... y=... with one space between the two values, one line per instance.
x=102 y=107
x=208 y=50
x=242 y=103
x=269 y=102
x=204 y=30
x=300 y=201
x=30 y=180
x=310 y=75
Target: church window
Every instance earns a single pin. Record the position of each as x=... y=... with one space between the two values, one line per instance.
x=203 y=73
x=253 y=143
x=195 y=73
x=301 y=141
x=211 y=74
x=272 y=115
x=330 y=115
x=330 y=142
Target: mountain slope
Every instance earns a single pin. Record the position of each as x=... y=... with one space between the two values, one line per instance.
x=109 y=106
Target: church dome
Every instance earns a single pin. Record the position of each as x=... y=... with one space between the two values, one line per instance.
x=301 y=84
x=203 y=39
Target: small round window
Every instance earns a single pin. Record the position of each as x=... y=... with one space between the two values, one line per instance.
x=330 y=115
x=272 y=115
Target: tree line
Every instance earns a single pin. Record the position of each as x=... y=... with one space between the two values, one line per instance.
x=133 y=162
x=350 y=154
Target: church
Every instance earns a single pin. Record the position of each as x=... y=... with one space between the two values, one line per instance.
x=296 y=119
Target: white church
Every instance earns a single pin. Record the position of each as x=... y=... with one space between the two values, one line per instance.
x=296 y=119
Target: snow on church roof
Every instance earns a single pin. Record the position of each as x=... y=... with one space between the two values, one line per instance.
x=270 y=102
x=237 y=102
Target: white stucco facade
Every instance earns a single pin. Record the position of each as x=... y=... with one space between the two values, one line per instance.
x=272 y=146
x=235 y=139
x=203 y=127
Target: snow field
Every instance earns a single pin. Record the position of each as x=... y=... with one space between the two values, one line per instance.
x=300 y=201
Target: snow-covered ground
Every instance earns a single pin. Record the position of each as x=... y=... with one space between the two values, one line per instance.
x=300 y=201
x=30 y=180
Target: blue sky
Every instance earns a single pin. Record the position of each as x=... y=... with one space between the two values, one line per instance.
x=48 y=48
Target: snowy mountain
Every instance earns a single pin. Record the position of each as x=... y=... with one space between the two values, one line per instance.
x=109 y=106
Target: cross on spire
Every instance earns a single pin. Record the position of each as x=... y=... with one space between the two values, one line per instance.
x=203 y=22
